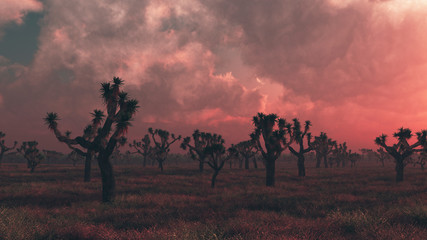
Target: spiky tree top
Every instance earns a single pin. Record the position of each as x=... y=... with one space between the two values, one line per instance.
x=143 y=147
x=247 y=148
x=30 y=151
x=275 y=140
x=197 y=150
x=3 y=147
x=322 y=144
x=120 y=111
x=298 y=135
x=163 y=143
x=402 y=147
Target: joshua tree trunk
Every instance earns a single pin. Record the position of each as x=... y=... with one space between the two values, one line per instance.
x=161 y=165
x=214 y=178
x=246 y=163
x=88 y=166
x=270 y=166
x=325 y=161
x=144 y=162
x=301 y=166
x=108 y=182
x=201 y=165
x=255 y=163
x=318 y=160
x=399 y=170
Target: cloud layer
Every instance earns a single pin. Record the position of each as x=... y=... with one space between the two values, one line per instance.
x=355 y=68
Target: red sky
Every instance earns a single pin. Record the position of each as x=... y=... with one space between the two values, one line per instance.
x=356 y=69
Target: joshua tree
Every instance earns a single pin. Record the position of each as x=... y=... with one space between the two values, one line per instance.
x=74 y=157
x=421 y=160
x=275 y=141
x=197 y=151
x=120 y=111
x=143 y=147
x=31 y=154
x=89 y=134
x=3 y=148
x=342 y=155
x=217 y=155
x=161 y=146
x=323 y=146
x=247 y=149
x=298 y=136
x=402 y=150
x=382 y=155
x=353 y=157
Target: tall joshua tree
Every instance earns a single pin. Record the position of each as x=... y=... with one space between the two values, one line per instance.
x=162 y=145
x=323 y=146
x=197 y=150
x=143 y=147
x=402 y=150
x=298 y=136
x=120 y=110
x=3 y=147
x=89 y=133
x=247 y=149
x=31 y=153
x=274 y=140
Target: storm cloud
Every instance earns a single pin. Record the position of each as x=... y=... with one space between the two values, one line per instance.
x=355 y=68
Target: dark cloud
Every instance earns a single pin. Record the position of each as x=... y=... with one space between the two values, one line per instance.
x=212 y=65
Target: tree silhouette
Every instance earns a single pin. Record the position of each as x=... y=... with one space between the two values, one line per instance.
x=197 y=150
x=275 y=141
x=402 y=150
x=382 y=155
x=342 y=155
x=89 y=133
x=162 y=145
x=120 y=111
x=3 y=147
x=353 y=157
x=421 y=160
x=31 y=153
x=298 y=136
x=143 y=147
x=247 y=149
x=323 y=146
x=217 y=155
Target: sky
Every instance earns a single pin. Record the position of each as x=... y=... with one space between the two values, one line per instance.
x=354 y=68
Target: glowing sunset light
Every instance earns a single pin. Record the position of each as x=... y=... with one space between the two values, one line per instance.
x=354 y=68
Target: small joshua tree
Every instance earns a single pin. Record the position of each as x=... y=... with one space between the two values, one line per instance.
x=247 y=149
x=143 y=147
x=421 y=160
x=353 y=157
x=197 y=150
x=74 y=157
x=31 y=153
x=342 y=155
x=162 y=146
x=402 y=150
x=217 y=154
x=89 y=134
x=275 y=141
x=298 y=136
x=323 y=146
x=3 y=147
x=382 y=155
x=120 y=111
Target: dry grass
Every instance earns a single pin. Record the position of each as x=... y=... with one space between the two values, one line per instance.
x=360 y=203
